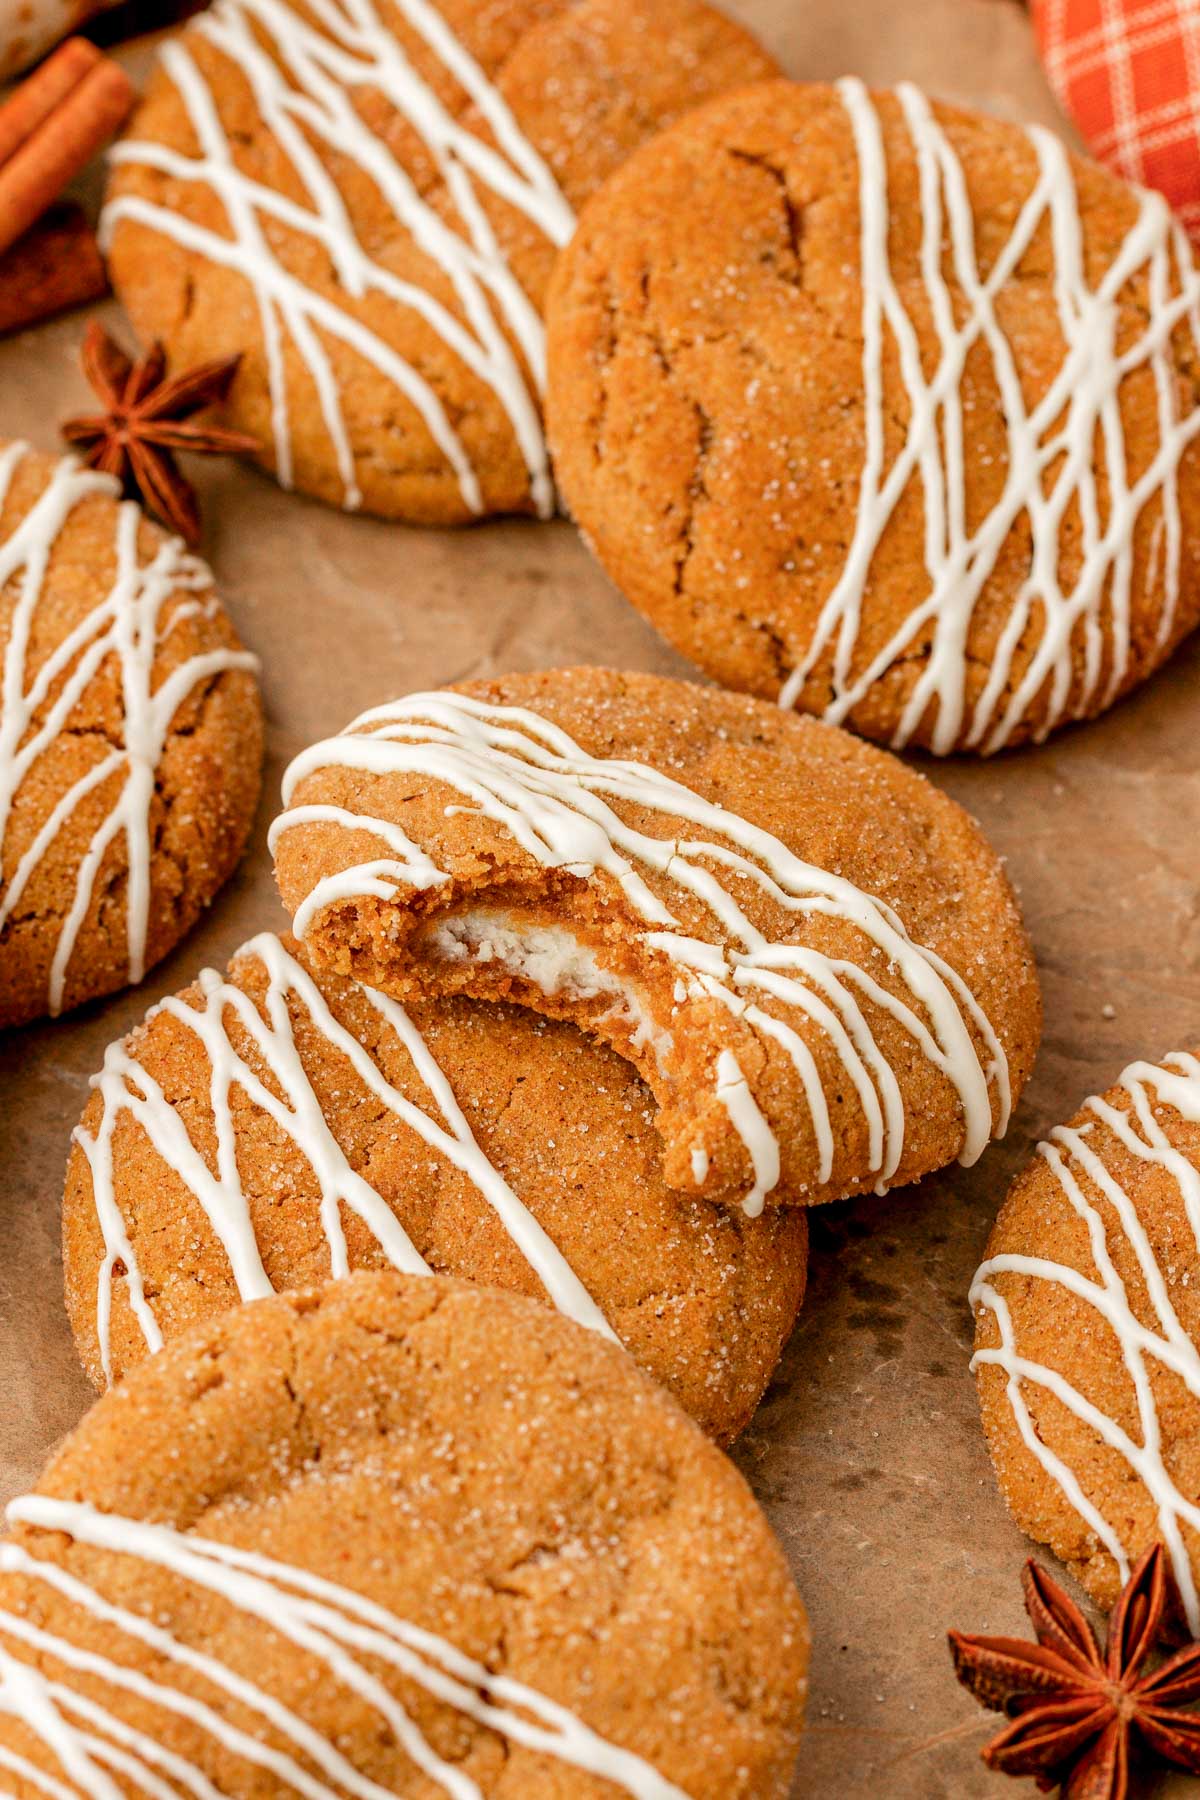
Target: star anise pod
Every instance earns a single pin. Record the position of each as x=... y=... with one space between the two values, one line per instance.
x=146 y=418
x=1078 y=1714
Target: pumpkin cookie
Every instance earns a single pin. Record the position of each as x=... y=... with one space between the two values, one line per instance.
x=812 y=957
x=364 y=198
x=396 y=1536
x=886 y=410
x=1087 y=1331
x=130 y=738
x=265 y=1131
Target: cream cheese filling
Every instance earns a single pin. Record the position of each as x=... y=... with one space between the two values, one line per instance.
x=552 y=959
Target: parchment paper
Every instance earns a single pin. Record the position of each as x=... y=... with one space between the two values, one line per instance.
x=867 y=1452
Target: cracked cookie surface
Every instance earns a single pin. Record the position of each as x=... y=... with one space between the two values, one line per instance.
x=886 y=409
x=130 y=738
x=365 y=201
x=537 y=1576
x=811 y=955
x=265 y=1130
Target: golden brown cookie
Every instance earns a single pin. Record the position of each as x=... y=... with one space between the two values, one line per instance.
x=396 y=1536
x=887 y=410
x=265 y=1131
x=1087 y=1328
x=130 y=738
x=812 y=957
x=364 y=198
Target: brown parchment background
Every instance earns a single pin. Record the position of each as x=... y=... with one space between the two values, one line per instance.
x=867 y=1452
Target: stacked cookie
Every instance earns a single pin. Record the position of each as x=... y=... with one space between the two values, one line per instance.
x=811 y=956
x=560 y=1020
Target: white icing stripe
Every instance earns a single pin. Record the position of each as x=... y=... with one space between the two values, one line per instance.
x=27 y=1696
x=129 y=1091
x=733 y=1091
x=517 y=769
x=410 y=864
x=131 y=623
x=1072 y=1156
x=304 y=90
x=139 y=1768
x=1050 y=449
x=333 y=1625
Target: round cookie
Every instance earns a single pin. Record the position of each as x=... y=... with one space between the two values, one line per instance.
x=886 y=410
x=268 y=1130
x=1087 y=1342
x=365 y=202
x=812 y=957
x=131 y=738
x=396 y=1536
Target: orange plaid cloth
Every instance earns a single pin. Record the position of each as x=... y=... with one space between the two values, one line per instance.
x=1128 y=72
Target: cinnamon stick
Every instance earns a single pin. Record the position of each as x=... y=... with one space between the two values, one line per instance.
x=67 y=138
x=52 y=268
x=32 y=103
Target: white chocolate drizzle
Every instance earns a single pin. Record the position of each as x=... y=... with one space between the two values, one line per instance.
x=131 y=623
x=306 y=89
x=349 y=1637
x=284 y=1092
x=1078 y=1164
x=527 y=775
x=1065 y=456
